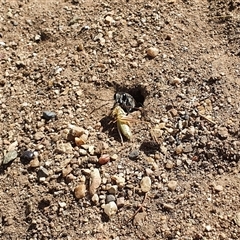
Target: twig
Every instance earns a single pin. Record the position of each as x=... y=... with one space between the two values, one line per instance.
x=139 y=208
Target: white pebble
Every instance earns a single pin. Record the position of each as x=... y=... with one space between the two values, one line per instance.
x=110 y=209
x=146 y=184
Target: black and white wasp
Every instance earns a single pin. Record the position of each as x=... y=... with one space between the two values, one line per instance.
x=125 y=100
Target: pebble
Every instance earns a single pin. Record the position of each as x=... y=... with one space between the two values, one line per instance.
x=120 y=201
x=64 y=147
x=133 y=154
x=48 y=115
x=39 y=135
x=152 y=52
x=81 y=140
x=66 y=171
x=218 y=188
x=76 y=131
x=34 y=163
x=237 y=218
x=110 y=198
x=9 y=156
x=43 y=172
x=113 y=189
x=91 y=149
x=109 y=20
x=82 y=152
x=62 y=204
x=105 y=158
x=120 y=181
x=80 y=190
x=146 y=184
x=172 y=185
x=95 y=181
x=163 y=150
x=12 y=146
x=169 y=164
x=188 y=148
x=149 y=171
x=27 y=156
x=203 y=139
x=114 y=157
x=208 y=228
x=110 y=209
x=168 y=206
x=179 y=149
x=223 y=133
x=95 y=199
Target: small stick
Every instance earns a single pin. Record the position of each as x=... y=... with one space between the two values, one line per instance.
x=140 y=207
x=206 y=118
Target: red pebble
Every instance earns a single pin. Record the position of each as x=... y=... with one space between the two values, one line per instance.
x=105 y=158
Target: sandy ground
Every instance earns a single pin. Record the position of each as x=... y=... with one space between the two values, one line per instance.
x=65 y=173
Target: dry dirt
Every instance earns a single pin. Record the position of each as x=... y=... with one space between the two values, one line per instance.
x=71 y=57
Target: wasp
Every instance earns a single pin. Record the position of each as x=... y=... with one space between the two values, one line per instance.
x=125 y=100
x=123 y=122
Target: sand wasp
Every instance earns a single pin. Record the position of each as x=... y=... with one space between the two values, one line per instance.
x=125 y=100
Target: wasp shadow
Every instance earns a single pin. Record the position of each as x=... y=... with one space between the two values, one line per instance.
x=110 y=126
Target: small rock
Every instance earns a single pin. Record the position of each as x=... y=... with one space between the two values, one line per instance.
x=187 y=148
x=38 y=136
x=146 y=184
x=82 y=152
x=120 y=201
x=27 y=156
x=168 y=206
x=110 y=198
x=34 y=163
x=176 y=81
x=169 y=164
x=114 y=157
x=218 y=188
x=163 y=150
x=208 y=228
x=95 y=199
x=172 y=185
x=109 y=20
x=80 y=190
x=81 y=140
x=179 y=149
x=91 y=149
x=76 y=131
x=9 y=156
x=152 y=52
x=62 y=204
x=64 y=148
x=223 y=133
x=48 y=115
x=110 y=209
x=113 y=189
x=173 y=112
x=105 y=158
x=203 y=139
x=149 y=171
x=237 y=218
x=12 y=146
x=120 y=181
x=66 y=171
x=133 y=154
x=95 y=181
x=43 y=172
